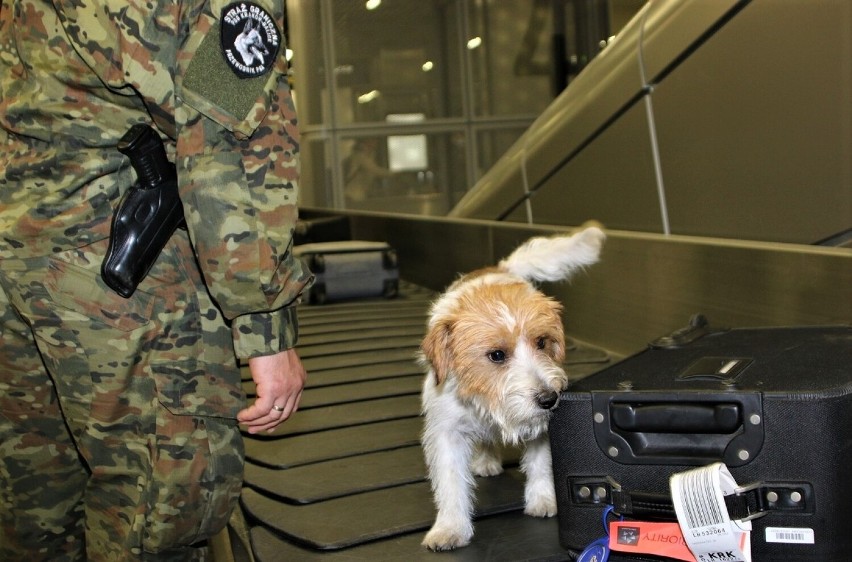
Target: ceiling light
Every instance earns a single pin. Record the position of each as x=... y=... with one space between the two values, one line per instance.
x=369 y=96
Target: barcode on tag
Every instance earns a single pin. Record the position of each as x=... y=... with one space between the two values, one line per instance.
x=790 y=535
x=701 y=510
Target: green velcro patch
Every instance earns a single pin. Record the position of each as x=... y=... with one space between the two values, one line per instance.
x=210 y=77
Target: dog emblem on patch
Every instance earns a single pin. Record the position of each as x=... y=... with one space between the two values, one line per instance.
x=250 y=39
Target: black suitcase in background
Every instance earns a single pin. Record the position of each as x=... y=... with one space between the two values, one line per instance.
x=350 y=269
x=773 y=404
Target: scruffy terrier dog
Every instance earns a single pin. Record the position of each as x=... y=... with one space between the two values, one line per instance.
x=494 y=349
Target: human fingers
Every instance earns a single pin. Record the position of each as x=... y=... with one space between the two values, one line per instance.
x=262 y=417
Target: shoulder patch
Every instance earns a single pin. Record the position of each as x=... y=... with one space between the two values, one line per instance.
x=250 y=39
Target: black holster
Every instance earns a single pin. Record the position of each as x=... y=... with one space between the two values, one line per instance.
x=147 y=214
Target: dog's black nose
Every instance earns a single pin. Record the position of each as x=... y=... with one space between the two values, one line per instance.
x=547 y=399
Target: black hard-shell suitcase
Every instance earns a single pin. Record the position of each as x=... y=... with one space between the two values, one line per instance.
x=773 y=404
x=350 y=269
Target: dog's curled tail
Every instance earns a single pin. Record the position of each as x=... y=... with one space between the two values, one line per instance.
x=558 y=257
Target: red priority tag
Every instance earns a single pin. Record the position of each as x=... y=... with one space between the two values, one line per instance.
x=645 y=537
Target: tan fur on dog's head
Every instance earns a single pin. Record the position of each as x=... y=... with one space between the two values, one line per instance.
x=488 y=319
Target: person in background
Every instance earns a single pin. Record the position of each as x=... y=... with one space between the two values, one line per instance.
x=120 y=417
x=362 y=172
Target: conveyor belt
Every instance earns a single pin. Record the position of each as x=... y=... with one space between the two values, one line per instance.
x=344 y=478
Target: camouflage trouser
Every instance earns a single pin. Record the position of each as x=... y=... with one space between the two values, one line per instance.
x=117 y=432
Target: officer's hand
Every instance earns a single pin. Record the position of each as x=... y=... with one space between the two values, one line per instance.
x=279 y=379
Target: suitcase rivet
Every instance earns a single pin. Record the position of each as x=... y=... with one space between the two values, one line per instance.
x=600 y=493
x=754 y=419
x=584 y=492
x=599 y=417
x=613 y=451
x=625 y=385
x=796 y=497
x=743 y=455
x=771 y=497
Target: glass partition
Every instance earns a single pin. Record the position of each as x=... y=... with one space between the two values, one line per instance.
x=435 y=90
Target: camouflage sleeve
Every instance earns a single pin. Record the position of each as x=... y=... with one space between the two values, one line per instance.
x=265 y=333
x=213 y=77
x=237 y=158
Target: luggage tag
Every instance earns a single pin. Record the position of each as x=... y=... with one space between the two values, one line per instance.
x=598 y=550
x=698 y=497
x=659 y=538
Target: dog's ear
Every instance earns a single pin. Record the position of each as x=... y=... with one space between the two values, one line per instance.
x=436 y=349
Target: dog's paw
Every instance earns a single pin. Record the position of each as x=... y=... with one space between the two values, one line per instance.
x=542 y=506
x=484 y=465
x=444 y=538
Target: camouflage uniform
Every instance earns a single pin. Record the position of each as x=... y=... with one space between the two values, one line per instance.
x=118 y=437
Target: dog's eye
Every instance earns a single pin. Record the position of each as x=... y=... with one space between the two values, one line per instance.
x=541 y=342
x=497 y=356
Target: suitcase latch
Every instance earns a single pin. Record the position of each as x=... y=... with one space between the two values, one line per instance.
x=594 y=490
x=761 y=498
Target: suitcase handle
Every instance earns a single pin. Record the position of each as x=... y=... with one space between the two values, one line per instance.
x=676 y=418
x=678 y=428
